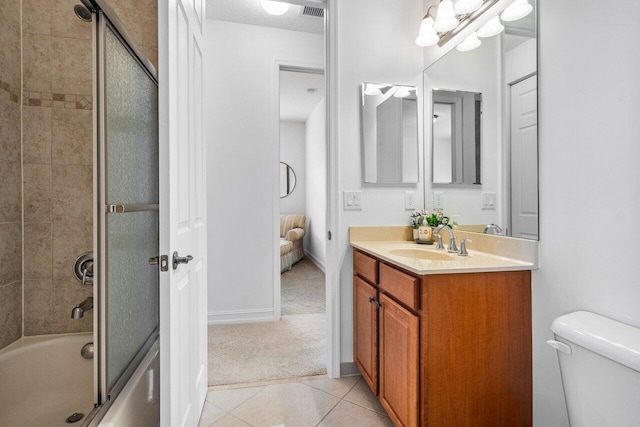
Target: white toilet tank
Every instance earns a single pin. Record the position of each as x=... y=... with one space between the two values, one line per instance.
x=600 y=366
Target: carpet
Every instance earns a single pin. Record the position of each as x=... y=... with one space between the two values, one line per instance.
x=293 y=347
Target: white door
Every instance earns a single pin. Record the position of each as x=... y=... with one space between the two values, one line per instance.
x=183 y=293
x=524 y=159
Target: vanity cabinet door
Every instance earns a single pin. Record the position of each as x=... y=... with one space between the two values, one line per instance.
x=399 y=356
x=365 y=329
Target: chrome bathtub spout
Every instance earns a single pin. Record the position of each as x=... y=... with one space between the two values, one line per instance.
x=452 y=239
x=78 y=310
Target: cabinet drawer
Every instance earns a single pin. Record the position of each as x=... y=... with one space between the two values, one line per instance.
x=399 y=285
x=365 y=267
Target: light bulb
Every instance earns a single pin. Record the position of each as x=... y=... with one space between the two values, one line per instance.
x=491 y=28
x=464 y=7
x=445 y=18
x=274 y=7
x=372 y=89
x=516 y=10
x=401 y=92
x=427 y=36
x=469 y=43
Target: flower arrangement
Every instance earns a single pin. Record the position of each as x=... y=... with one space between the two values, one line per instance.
x=433 y=219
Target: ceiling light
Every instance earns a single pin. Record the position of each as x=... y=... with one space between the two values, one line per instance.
x=491 y=28
x=470 y=43
x=464 y=7
x=275 y=7
x=516 y=10
x=372 y=90
x=427 y=36
x=401 y=92
x=445 y=18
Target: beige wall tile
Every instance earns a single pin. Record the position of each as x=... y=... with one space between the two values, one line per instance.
x=36 y=16
x=10 y=253
x=10 y=191
x=37 y=193
x=10 y=11
x=65 y=23
x=72 y=137
x=66 y=295
x=131 y=14
x=10 y=53
x=36 y=57
x=37 y=251
x=9 y=130
x=150 y=23
x=71 y=66
x=36 y=134
x=10 y=313
x=72 y=193
x=37 y=301
x=70 y=240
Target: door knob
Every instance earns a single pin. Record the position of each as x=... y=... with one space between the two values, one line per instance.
x=180 y=260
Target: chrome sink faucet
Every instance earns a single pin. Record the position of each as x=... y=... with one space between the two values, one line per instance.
x=452 y=239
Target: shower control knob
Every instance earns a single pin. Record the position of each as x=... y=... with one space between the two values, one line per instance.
x=180 y=260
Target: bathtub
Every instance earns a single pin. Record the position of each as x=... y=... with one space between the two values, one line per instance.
x=43 y=380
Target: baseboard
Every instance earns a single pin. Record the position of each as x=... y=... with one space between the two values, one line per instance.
x=240 y=316
x=315 y=261
x=348 y=368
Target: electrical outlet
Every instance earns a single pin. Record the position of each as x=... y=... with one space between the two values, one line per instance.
x=352 y=200
x=438 y=200
x=409 y=200
x=488 y=201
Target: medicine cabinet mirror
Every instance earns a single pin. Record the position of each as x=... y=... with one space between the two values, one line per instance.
x=389 y=117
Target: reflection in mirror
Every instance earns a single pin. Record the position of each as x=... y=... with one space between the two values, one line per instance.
x=287 y=180
x=389 y=133
x=457 y=137
x=504 y=70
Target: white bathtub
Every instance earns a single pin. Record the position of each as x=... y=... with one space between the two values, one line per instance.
x=43 y=380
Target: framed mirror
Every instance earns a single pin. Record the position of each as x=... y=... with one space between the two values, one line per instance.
x=457 y=137
x=501 y=76
x=389 y=118
x=287 y=180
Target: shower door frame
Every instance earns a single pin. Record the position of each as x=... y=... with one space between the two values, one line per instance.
x=105 y=17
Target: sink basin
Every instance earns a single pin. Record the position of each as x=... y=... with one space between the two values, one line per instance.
x=422 y=254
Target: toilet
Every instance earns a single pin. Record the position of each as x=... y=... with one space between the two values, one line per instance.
x=600 y=367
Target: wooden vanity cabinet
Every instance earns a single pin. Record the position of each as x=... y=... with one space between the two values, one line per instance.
x=453 y=349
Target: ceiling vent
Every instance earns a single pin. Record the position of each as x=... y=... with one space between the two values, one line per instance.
x=315 y=12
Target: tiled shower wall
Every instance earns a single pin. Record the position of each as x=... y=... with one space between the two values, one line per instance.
x=10 y=175
x=57 y=157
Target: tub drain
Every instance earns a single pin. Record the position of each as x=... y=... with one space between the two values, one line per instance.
x=74 y=418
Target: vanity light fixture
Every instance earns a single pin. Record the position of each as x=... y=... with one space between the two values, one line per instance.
x=427 y=36
x=464 y=7
x=274 y=7
x=372 y=89
x=516 y=10
x=470 y=43
x=491 y=28
x=445 y=18
x=401 y=92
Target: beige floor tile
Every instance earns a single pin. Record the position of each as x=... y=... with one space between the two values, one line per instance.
x=230 y=421
x=347 y=414
x=292 y=404
x=231 y=399
x=335 y=386
x=210 y=414
x=362 y=395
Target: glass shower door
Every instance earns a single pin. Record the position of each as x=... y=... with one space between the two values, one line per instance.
x=128 y=199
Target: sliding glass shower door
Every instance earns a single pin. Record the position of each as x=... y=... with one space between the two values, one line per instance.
x=128 y=209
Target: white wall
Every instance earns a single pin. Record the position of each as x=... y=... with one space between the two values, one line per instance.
x=375 y=44
x=316 y=186
x=292 y=152
x=476 y=71
x=242 y=122
x=589 y=175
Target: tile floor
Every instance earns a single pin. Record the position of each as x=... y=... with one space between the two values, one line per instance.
x=309 y=401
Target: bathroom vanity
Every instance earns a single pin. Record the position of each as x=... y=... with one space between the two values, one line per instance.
x=443 y=339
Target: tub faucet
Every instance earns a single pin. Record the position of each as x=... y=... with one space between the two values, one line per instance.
x=452 y=239
x=78 y=311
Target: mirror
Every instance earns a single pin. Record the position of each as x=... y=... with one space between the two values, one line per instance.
x=457 y=137
x=389 y=118
x=501 y=76
x=287 y=180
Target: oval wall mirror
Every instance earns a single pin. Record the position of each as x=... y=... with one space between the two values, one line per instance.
x=287 y=180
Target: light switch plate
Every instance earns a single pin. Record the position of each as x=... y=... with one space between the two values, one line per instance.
x=409 y=200
x=353 y=200
x=488 y=201
x=438 y=200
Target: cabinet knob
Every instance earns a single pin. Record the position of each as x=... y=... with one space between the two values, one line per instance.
x=371 y=299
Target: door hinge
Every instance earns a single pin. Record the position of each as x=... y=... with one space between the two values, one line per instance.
x=329 y=234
